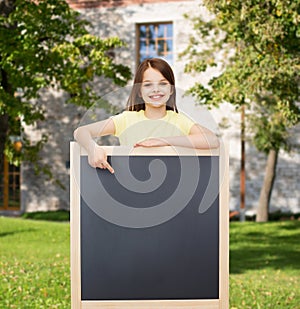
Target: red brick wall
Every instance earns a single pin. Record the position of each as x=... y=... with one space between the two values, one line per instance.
x=81 y=4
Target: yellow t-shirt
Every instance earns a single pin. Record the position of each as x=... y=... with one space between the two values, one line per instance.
x=132 y=127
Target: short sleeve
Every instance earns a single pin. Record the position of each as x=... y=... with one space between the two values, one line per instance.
x=120 y=122
x=185 y=123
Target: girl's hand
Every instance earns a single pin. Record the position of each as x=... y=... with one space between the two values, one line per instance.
x=97 y=158
x=151 y=142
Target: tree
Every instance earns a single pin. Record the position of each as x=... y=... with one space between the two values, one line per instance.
x=256 y=45
x=46 y=44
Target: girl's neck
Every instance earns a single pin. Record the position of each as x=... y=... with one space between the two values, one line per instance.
x=155 y=113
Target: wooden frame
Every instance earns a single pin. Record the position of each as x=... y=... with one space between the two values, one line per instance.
x=222 y=302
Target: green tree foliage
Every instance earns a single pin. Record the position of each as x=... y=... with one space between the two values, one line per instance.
x=46 y=44
x=256 y=45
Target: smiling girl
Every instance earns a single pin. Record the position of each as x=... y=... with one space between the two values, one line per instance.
x=151 y=118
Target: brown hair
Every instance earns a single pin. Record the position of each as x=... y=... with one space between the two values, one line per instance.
x=135 y=101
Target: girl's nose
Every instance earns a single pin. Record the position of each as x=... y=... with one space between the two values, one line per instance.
x=155 y=87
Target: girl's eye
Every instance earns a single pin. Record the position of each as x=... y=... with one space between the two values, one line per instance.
x=149 y=85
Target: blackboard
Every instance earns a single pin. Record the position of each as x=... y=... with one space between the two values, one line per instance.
x=147 y=254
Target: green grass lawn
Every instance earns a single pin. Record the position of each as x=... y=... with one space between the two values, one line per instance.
x=34 y=264
x=265 y=265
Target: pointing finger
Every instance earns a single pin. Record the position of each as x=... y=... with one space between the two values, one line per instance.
x=108 y=166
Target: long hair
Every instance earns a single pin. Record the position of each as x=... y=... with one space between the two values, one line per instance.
x=135 y=101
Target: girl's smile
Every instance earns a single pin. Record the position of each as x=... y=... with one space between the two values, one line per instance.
x=156 y=97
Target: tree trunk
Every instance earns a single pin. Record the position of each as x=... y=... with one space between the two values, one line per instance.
x=6 y=7
x=266 y=190
x=3 y=134
x=4 y=120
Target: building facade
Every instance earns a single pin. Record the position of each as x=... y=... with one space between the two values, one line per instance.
x=150 y=29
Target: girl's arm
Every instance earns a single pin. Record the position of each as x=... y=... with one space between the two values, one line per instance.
x=199 y=137
x=84 y=136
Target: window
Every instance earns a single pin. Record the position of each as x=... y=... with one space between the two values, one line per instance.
x=9 y=186
x=10 y=173
x=155 y=40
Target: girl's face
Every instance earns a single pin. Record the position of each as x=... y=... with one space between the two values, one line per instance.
x=155 y=88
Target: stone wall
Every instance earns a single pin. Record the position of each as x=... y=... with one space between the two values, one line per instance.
x=37 y=191
x=286 y=191
x=62 y=119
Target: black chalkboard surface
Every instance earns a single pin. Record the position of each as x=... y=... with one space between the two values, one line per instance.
x=175 y=259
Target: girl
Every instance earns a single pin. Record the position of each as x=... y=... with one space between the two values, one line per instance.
x=151 y=118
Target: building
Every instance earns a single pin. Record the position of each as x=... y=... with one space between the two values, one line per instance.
x=149 y=28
